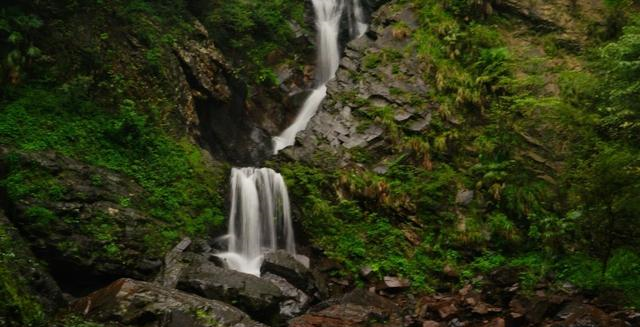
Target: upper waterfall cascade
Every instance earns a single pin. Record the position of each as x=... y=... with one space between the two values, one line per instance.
x=329 y=14
x=260 y=217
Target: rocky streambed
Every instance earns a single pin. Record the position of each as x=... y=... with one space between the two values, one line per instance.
x=195 y=289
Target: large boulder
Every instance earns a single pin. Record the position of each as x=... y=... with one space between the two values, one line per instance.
x=129 y=302
x=283 y=264
x=80 y=218
x=296 y=301
x=258 y=297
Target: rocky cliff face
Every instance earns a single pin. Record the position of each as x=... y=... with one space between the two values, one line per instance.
x=365 y=84
x=215 y=104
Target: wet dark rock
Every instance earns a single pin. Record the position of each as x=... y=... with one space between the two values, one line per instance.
x=40 y=284
x=505 y=276
x=128 y=302
x=537 y=310
x=283 y=264
x=219 y=99
x=497 y=322
x=173 y=266
x=295 y=302
x=342 y=315
x=366 y=298
x=258 y=297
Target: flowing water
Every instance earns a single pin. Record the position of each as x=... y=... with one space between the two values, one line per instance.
x=329 y=14
x=260 y=217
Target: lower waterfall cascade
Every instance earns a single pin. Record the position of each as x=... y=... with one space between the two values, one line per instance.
x=260 y=217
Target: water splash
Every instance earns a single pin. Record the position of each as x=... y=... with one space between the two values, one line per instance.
x=260 y=218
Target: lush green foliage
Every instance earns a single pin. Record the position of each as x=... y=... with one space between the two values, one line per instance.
x=359 y=237
x=555 y=173
x=182 y=191
x=255 y=31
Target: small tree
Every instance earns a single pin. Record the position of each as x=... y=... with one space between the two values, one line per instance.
x=608 y=186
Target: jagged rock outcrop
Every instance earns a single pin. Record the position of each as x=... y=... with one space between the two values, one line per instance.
x=129 y=302
x=64 y=225
x=295 y=302
x=365 y=84
x=214 y=102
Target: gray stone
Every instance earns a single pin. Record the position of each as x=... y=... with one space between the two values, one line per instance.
x=173 y=267
x=401 y=115
x=371 y=84
x=420 y=124
x=393 y=283
x=464 y=197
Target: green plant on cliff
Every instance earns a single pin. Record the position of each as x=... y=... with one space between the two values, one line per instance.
x=260 y=33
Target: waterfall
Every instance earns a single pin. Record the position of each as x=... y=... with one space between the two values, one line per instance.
x=260 y=218
x=359 y=26
x=329 y=14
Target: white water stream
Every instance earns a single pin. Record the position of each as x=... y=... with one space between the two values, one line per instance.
x=329 y=14
x=260 y=217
